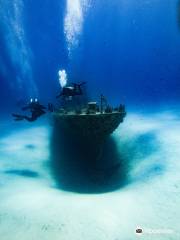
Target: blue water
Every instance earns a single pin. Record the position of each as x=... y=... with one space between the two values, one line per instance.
x=129 y=50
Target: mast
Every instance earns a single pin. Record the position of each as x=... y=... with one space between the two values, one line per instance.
x=103 y=100
x=101 y=103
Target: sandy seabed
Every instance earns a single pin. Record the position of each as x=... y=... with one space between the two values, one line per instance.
x=33 y=207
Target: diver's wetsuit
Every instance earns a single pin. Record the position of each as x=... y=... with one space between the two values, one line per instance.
x=77 y=88
x=36 y=111
x=71 y=91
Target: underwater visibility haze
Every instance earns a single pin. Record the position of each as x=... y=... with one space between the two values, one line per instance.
x=129 y=51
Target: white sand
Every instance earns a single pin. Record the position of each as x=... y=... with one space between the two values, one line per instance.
x=33 y=208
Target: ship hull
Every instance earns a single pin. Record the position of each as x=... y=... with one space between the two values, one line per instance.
x=84 y=155
x=96 y=126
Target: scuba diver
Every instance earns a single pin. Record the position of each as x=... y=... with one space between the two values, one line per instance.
x=71 y=91
x=36 y=110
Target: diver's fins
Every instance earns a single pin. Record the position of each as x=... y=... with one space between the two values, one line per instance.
x=80 y=84
x=18 y=117
x=50 y=107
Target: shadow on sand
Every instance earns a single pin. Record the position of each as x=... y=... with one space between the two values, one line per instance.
x=23 y=173
x=86 y=167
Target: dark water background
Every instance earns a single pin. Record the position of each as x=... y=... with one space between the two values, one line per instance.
x=128 y=50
